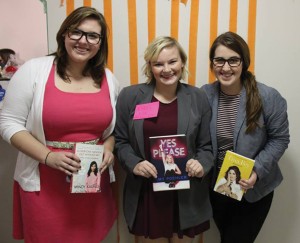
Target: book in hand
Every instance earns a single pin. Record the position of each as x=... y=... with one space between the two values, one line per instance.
x=87 y=179
x=234 y=168
x=169 y=156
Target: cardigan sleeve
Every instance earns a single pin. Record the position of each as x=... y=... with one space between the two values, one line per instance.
x=17 y=102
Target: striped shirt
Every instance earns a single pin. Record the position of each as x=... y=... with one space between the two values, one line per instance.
x=227 y=111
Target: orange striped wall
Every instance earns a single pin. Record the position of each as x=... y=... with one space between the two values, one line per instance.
x=176 y=6
x=108 y=17
x=192 y=55
x=174 y=28
x=213 y=28
x=252 y=31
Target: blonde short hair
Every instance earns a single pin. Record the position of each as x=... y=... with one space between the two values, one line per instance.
x=154 y=48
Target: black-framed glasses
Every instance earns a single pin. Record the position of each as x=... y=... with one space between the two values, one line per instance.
x=232 y=62
x=91 y=37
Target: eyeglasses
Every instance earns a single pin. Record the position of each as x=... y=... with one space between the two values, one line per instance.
x=91 y=37
x=232 y=62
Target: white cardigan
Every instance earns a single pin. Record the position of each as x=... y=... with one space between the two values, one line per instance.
x=22 y=110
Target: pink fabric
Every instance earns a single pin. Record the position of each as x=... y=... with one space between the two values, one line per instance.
x=92 y=183
x=54 y=214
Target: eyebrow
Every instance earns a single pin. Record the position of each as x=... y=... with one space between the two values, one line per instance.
x=228 y=58
x=88 y=32
x=173 y=59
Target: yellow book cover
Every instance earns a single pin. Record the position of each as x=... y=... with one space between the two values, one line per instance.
x=234 y=168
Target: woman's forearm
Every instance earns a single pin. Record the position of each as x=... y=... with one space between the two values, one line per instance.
x=30 y=146
x=109 y=143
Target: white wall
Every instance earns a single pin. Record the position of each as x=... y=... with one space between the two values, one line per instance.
x=277 y=52
x=23 y=27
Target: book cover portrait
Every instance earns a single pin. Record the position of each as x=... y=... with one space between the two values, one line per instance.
x=88 y=178
x=234 y=168
x=169 y=156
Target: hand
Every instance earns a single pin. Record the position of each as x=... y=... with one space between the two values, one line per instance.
x=228 y=182
x=108 y=159
x=66 y=162
x=194 y=168
x=226 y=189
x=145 y=169
x=249 y=184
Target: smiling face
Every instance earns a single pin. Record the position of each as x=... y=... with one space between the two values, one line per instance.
x=169 y=159
x=93 y=167
x=167 y=69
x=231 y=176
x=80 y=51
x=229 y=77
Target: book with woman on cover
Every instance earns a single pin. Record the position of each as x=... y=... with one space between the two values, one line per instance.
x=169 y=156
x=234 y=168
x=88 y=178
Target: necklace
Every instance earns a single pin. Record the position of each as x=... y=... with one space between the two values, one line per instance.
x=163 y=99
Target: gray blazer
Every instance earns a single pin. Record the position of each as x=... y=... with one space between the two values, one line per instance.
x=266 y=144
x=194 y=115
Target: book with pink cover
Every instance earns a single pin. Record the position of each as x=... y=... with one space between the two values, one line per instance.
x=169 y=156
x=88 y=178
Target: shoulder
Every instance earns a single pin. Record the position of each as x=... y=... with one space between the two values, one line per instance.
x=211 y=88
x=271 y=98
x=134 y=90
x=191 y=90
x=38 y=62
x=109 y=74
x=41 y=60
x=221 y=181
x=269 y=95
x=266 y=91
x=112 y=80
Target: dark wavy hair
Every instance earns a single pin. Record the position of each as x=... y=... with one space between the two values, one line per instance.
x=5 y=54
x=254 y=103
x=96 y=65
x=90 y=169
x=237 y=172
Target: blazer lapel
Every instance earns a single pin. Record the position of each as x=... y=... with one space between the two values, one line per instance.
x=144 y=96
x=241 y=117
x=214 y=106
x=184 y=105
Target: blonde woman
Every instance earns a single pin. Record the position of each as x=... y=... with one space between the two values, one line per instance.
x=168 y=216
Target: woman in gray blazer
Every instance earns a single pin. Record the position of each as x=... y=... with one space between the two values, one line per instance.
x=250 y=119
x=183 y=109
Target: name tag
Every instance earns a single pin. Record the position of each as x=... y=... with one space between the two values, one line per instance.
x=144 y=111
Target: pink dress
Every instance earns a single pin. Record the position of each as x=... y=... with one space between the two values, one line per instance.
x=54 y=214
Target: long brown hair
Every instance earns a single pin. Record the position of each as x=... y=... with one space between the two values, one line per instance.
x=96 y=65
x=254 y=103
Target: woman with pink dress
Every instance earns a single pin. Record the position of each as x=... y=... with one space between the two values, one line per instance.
x=51 y=104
